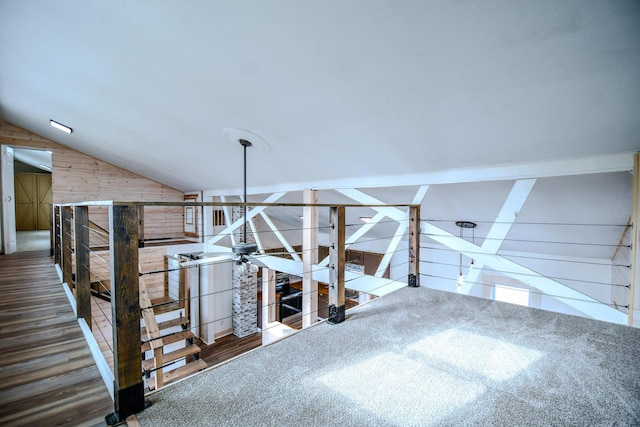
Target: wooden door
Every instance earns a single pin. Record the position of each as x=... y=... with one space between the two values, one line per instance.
x=44 y=201
x=33 y=201
x=25 y=191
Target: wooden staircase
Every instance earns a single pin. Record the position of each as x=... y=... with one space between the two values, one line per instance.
x=155 y=342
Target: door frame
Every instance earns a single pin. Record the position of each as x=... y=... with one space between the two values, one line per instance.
x=8 y=229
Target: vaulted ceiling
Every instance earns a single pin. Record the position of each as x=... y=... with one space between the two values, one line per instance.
x=331 y=91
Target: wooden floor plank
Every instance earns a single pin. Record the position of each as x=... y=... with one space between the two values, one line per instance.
x=47 y=373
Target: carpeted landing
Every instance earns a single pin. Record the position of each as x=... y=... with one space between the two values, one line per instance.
x=420 y=357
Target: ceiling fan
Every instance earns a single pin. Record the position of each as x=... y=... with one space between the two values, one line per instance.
x=244 y=254
x=244 y=248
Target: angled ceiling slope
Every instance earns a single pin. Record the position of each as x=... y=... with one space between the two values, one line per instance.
x=339 y=90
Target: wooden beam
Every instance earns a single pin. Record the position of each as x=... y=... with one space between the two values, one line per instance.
x=309 y=258
x=83 y=279
x=239 y=222
x=414 y=246
x=268 y=297
x=125 y=306
x=635 y=253
x=336 y=265
x=565 y=294
x=67 y=230
x=141 y=226
x=500 y=228
x=281 y=238
x=57 y=238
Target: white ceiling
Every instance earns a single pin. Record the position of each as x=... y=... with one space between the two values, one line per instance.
x=338 y=89
x=352 y=93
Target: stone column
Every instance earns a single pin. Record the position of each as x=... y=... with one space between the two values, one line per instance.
x=245 y=288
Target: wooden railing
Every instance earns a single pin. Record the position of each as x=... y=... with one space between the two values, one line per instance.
x=73 y=252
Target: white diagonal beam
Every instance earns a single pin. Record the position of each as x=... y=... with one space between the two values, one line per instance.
x=280 y=237
x=393 y=245
x=358 y=234
x=391 y=212
x=356 y=281
x=365 y=199
x=253 y=212
x=400 y=231
x=575 y=299
x=500 y=228
x=579 y=301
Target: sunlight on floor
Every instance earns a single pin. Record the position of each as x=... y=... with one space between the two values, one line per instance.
x=417 y=378
x=493 y=358
x=380 y=383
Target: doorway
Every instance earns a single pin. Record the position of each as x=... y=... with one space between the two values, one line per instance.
x=27 y=199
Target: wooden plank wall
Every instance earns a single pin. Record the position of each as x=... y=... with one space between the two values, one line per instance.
x=151 y=259
x=77 y=177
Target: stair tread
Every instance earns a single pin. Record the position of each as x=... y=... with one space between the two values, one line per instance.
x=178 y=321
x=172 y=356
x=185 y=370
x=169 y=339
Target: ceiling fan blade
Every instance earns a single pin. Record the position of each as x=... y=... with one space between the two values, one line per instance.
x=208 y=260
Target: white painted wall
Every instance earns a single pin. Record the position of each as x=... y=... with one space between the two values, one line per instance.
x=216 y=306
x=439 y=270
x=211 y=313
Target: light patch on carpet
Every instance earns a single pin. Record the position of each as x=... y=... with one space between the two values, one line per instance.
x=402 y=390
x=493 y=358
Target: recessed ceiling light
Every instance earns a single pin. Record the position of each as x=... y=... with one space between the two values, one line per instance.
x=365 y=218
x=45 y=166
x=60 y=126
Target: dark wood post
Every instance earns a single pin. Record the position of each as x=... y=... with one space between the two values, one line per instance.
x=414 y=246
x=125 y=307
x=337 y=265
x=57 y=237
x=83 y=280
x=141 y=226
x=67 y=227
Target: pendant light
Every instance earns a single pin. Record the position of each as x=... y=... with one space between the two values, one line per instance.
x=463 y=225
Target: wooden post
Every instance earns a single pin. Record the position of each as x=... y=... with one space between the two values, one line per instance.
x=141 y=226
x=336 y=265
x=309 y=258
x=57 y=238
x=414 y=246
x=268 y=297
x=184 y=287
x=67 y=226
x=83 y=280
x=125 y=307
x=635 y=235
x=52 y=230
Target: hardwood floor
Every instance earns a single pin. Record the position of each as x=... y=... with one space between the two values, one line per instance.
x=47 y=373
x=228 y=347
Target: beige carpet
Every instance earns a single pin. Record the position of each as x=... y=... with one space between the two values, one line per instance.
x=419 y=357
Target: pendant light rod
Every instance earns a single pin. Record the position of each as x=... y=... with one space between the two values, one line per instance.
x=245 y=144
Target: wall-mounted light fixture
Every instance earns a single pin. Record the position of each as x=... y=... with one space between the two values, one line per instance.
x=463 y=225
x=60 y=126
